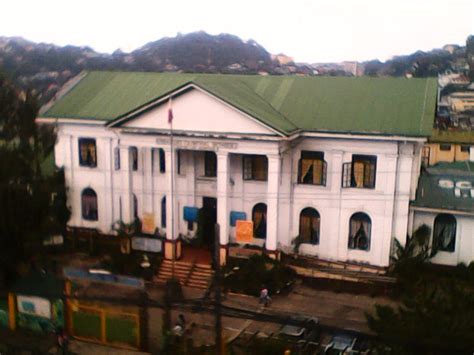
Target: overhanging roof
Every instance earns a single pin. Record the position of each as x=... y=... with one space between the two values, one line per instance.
x=382 y=106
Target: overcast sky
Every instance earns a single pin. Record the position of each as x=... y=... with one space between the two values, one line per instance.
x=309 y=31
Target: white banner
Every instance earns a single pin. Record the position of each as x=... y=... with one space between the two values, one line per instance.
x=34 y=305
x=146 y=244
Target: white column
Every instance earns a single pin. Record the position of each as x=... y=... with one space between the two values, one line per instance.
x=171 y=205
x=274 y=163
x=223 y=196
x=125 y=167
x=106 y=219
x=147 y=180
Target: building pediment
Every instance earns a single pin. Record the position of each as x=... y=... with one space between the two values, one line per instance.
x=194 y=110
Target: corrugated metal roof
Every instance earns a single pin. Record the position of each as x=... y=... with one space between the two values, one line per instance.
x=431 y=194
x=391 y=106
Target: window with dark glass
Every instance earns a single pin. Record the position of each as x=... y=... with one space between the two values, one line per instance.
x=210 y=164
x=178 y=162
x=361 y=172
x=117 y=158
x=312 y=168
x=89 y=205
x=255 y=167
x=360 y=227
x=161 y=153
x=135 y=207
x=163 y=212
x=444 y=233
x=465 y=148
x=445 y=147
x=134 y=158
x=310 y=223
x=87 y=152
x=259 y=218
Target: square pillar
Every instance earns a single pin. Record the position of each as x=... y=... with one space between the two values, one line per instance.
x=223 y=202
x=125 y=167
x=172 y=244
x=273 y=186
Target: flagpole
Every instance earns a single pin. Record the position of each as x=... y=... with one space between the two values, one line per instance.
x=173 y=244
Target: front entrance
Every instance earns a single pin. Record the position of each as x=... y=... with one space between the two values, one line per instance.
x=207 y=221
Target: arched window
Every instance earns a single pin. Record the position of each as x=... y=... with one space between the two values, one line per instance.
x=135 y=207
x=360 y=227
x=444 y=233
x=163 y=212
x=89 y=205
x=310 y=223
x=259 y=218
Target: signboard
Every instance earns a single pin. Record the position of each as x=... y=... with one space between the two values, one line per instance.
x=35 y=306
x=148 y=223
x=244 y=231
x=146 y=244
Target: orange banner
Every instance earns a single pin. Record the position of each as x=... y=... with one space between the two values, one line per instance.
x=244 y=231
x=148 y=223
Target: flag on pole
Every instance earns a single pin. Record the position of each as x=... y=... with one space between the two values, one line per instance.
x=170 y=112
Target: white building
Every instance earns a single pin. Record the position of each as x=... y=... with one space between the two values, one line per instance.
x=445 y=203
x=334 y=160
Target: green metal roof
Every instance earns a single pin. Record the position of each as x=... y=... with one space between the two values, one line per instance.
x=440 y=136
x=431 y=195
x=388 y=106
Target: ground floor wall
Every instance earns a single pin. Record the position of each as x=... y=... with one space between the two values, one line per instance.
x=464 y=242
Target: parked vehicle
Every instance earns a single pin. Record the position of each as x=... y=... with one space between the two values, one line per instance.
x=303 y=332
x=346 y=344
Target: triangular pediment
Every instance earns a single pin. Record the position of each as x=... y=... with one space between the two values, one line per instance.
x=196 y=110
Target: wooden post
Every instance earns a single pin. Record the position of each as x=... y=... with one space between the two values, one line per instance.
x=11 y=311
x=217 y=290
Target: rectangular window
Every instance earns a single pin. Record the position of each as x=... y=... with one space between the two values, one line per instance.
x=178 y=162
x=210 y=164
x=312 y=168
x=117 y=158
x=87 y=152
x=445 y=147
x=361 y=172
x=465 y=148
x=255 y=167
x=134 y=158
x=162 y=160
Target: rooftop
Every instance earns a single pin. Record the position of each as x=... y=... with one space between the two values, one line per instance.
x=364 y=105
x=447 y=186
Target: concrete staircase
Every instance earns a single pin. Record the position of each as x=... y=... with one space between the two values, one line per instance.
x=189 y=274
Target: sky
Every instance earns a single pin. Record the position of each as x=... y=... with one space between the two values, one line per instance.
x=309 y=31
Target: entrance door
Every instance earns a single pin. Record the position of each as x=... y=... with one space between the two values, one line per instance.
x=208 y=221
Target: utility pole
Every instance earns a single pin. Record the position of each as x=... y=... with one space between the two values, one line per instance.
x=217 y=292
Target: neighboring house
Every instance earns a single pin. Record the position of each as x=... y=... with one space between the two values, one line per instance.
x=448 y=147
x=333 y=160
x=445 y=203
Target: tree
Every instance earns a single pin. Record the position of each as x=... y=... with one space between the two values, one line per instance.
x=436 y=312
x=436 y=319
x=32 y=197
x=470 y=56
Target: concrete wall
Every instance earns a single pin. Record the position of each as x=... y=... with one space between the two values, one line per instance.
x=464 y=247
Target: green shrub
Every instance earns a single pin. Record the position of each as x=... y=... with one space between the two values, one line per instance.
x=249 y=275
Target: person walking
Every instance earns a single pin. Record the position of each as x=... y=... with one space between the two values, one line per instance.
x=264 y=296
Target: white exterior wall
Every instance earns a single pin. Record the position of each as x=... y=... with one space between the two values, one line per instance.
x=464 y=246
x=397 y=173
